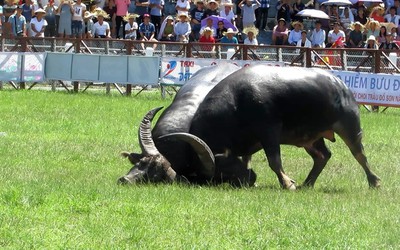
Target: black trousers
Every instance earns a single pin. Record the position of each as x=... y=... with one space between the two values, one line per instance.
x=118 y=21
x=261 y=18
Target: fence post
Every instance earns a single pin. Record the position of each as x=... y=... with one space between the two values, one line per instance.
x=377 y=61
x=308 y=58
x=244 y=52
x=2 y=44
x=188 y=50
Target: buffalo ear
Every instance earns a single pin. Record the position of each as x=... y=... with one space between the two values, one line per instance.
x=132 y=157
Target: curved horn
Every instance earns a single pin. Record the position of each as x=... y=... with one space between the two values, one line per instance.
x=203 y=151
x=145 y=138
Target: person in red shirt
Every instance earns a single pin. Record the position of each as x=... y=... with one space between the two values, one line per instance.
x=207 y=37
x=377 y=14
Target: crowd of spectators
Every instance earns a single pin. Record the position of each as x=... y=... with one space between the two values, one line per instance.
x=212 y=21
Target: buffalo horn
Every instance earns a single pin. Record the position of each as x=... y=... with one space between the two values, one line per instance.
x=203 y=151
x=145 y=138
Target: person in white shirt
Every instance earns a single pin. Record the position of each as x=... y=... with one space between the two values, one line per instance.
x=38 y=24
x=336 y=34
x=182 y=6
x=101 y=29
x=318 y=36
x=251 y=33
x=77 y=18
x=392 y=17
x=295 y=34
x=228 y=13
x=131 y=26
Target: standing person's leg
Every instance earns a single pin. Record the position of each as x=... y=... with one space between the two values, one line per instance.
x=118 y=21
x=264 y=17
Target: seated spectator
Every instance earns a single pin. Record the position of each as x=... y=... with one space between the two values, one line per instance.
x=197 y=15
x=295 y=34
x=210 y=24
x=372 y=28
x=318 y=36
x=280 y=33
x=392 y=17
x=101 y=29
x=304 y=42
x=371 y=43
x=220 y=31
x=38 y=24
x=229 y=37
x=356 y=36
x=212 y=9
x=227 y=13
x=377 y=14
x=182 y=28
x=381 y=38
x=335 y=35
x=248 y=8
x=182 y=6
x=131 y=26
x=167 y=30
x=389 y=44
x=147 y=31
x=87 y=25
x=395 y=35
x=346 y=19
x=251 y=33
x=207 y=37
x=361 y=17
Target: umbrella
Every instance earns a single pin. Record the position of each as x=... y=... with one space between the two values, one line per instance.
x=337 y=2
x=318 y=14
x=216 y=19
x=370 y=1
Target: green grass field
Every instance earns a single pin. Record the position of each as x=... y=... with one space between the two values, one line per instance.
x=59 y=163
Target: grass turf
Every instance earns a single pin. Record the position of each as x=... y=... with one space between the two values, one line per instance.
x=59 y=162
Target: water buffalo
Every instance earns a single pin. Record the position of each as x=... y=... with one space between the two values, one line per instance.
x=159 y=154
x=260 y=107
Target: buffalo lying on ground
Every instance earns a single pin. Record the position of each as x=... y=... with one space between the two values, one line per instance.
x=260 y=107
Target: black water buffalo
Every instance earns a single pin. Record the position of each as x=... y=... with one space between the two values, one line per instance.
x=160 y=153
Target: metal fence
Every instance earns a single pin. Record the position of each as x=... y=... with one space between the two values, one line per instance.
x=360 y=60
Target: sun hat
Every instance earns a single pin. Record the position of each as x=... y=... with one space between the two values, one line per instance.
x=371 y=37
x=102 y=13
x=229 y=31
x=40 y=10
x=353 y=25
x=212 y=1
x=282 y=20
x=298 y=23
x=170 y=18
x=185 y=14
x=251 y=29
x=130 y=16
x=87 y=15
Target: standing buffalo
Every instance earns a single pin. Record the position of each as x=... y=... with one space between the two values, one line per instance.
x=260 y=107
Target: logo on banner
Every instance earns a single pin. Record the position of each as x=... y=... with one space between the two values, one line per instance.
x=171 y=66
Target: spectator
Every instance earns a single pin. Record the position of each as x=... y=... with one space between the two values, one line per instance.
x=280 y=33
x=251 y=33
x=122 y=10
x=297 y=6
x=371 y=43
x=87 y=25
x=212 y=9
x=182 y=28
x=372 y=28
x=38 y=24
x=18 y=23
x=28 y=12
x=377 y=14
x=229 y=37
x=395 y=34
x=361 y=17
x=248 y=12
x=318 y=36
x=335 y=35
x=77 y=18
x=182 y=6
x=283 y=10
x=197 y=15
x=111 y=10
x=346 y=19
x=333 y=15
x=219 y=33
x=131 y=27
x=396 y=4
x=295 y=34
x=101 y=29
x=262 y=15
x=66 y=11
x=210 y=24
x=303 y=42
x=227 y=13
x=207 y=37
x=381 y=38
x=389 y=44
x=147 y=30
x=356 y=36
x=167 y=30
x=392 y=17
x=51 y=9
x=156 y=7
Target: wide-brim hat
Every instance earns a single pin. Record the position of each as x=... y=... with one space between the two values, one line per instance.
x=251 y=29
x=169 y=18
x=87 y=15
x=40 y=10
x=212 y=1
x=298 y=23
x=282 y=20
x=183 y=13
x=353 y=25
x=130 y=16
x=371 y=38
x=229 y=31
x=200 y=1
x=102 y=13
x=230 y=4
x=207 y=29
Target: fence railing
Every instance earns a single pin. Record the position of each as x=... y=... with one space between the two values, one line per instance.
x=360 y=60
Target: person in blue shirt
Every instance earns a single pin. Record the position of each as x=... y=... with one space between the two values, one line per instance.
x=18 y=23
x=229 y=37
x=147 y=30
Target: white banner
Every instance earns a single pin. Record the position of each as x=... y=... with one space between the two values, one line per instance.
x=176 y=71
x=379 y=89
x=22 y=67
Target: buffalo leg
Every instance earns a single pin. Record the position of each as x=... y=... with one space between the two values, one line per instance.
x=321 y=155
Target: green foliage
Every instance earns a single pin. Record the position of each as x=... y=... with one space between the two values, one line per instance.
x=59 y=162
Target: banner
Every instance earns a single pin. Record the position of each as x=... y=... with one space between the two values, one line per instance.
x=22 y=67
x=379 y=89
x=176 y=71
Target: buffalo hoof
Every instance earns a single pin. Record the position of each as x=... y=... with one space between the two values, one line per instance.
x=289 y=184
x=374 y=181
x=123 y=181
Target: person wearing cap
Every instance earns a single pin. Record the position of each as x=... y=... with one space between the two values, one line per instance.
x=167 y=30
x=251 y=33
x=197 y=15
x=318 y=36
x=147 y=31
x=356 y=35
x=87 y=25
x=18 y=23
x=65 y=23
x=156 y=7
x=182 y=28
x=248 y=8
x=50 y=16
x=335 y=35
x=227 y=13
x=280 y=33
x=101 y=29
x=182 y=6
x=131 y=27
x=295 y=33
x=389 y=44
x=212 y=9
x=38 y=23
x=77 y=18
